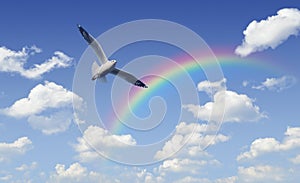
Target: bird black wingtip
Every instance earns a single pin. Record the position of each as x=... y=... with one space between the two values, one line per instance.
x=140 y=84
x=85 y=34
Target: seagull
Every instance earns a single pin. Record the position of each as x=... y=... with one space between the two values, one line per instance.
x=107 y=66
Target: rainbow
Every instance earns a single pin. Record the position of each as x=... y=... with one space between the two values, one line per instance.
x=187 y=64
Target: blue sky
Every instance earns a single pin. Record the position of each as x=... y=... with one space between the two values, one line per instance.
x=43 y=61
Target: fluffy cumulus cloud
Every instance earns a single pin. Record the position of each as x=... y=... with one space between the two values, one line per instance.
x=14 y=62
x=77 y=173
x=270 y=32
x=190 y=140
x=187 y=165
x=260 y=173
x=229 y=106
x=147 y=177
x=226 y=106
x=267 y=145
x=212 y=87
x=101 y=140
x=43 y=97
x=276 y=84
x=18 y=147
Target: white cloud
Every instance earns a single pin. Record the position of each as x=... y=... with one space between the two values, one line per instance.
x=190 y=139
x=44 y=97
x=212 y=87
x=41 y=98
x=267 y=145
x=187 y=165
x=245 y=83
x=18 y=147
x=6 y=178
x=25 y=167
x=13 y=62
x=270 y=32
x=261 y=173
x=276 y=84
x=147 y=177
x=231 y=179
x=190 y=179
x=55 y=123
x=76 y=173
x=235 y=107
x=296 y=160
x=101 y=140
x=180 y=165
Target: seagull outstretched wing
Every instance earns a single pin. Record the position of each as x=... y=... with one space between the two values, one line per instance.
x=128 y=77
x=94 y=43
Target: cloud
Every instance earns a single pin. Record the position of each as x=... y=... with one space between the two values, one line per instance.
x=235 y=107
x=14 y=61
x=190 y=179
x=231 y=179
x=270 y=32
x=296 y=160
x=25 y=167
x=245 y=83
x=55 y=123
x=190 y=139
x=277 y=84
x=76 y=173
x=184 y=165
x=99 y=139
x=261 y=173
x=147 y=177
x=18 y=147
x=212 y=87
x=88 y=172
x=262 y=146
x=6 y=178
x=43 y=97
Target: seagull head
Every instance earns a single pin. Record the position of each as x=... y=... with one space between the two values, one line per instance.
x=113 y=61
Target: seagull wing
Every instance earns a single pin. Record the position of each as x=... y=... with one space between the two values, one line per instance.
x=128 y=77
x=95 y=68
x=94 y=43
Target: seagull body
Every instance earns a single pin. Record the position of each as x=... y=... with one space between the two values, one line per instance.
x=107 y=66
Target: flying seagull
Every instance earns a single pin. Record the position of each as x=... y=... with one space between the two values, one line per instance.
x=107 y=66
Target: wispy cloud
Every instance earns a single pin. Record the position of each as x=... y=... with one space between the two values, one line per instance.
x=25 y=167
x=270 y=32
x=277 y=84
x=14 y=62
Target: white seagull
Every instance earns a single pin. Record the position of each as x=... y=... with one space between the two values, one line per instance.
x=107 y=66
